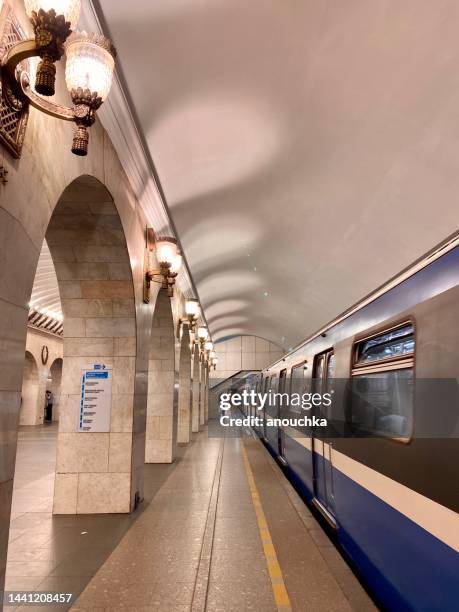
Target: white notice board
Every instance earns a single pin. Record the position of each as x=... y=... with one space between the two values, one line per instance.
x=96 y=398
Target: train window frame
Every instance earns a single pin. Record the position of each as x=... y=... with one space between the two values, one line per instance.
x=388 y=364
x=301 y=365
x=381 y=364
x=326 y=356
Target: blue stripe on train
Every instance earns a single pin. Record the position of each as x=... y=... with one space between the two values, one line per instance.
x=406 y=567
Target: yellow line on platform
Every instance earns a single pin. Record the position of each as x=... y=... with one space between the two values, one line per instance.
x=275 y=573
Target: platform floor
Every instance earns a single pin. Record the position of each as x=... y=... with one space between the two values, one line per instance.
x=220 y=530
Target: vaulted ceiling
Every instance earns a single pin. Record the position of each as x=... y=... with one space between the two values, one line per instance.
x=308 y=149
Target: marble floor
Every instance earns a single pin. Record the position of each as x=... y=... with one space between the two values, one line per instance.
x=58 y=553
x=200 y=541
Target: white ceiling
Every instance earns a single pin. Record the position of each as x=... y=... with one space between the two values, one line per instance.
x=308 y=149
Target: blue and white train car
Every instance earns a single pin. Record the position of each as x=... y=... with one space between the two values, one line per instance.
x=385 y=472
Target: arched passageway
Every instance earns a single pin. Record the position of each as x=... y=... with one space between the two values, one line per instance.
x=88 y=246
x=162 y=405
x=54 y=386
x=29 y=394
x=184 y=421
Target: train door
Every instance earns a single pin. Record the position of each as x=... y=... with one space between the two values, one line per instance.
x=281 y=412
x=271 y=412
x=265 y=389
x=322 y=451
x=256 y=412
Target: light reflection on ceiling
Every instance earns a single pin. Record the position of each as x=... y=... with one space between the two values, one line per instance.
x=307 y=150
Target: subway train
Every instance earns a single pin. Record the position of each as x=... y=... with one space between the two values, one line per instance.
x=384 y=472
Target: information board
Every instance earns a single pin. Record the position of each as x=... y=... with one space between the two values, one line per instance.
x=96 y=398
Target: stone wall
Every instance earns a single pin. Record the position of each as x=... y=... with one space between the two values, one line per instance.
x=244 y=353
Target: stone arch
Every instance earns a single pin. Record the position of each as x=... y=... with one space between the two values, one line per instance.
x=184 y=421
x=29 y=393
x=35 y=184
x=54 y=384
x=196 y=390
x=88 y=245
x=162 y=404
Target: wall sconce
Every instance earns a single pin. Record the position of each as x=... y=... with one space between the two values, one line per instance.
x=169 y=260
x=192 y=311
x=203 y=334
x=88 y=74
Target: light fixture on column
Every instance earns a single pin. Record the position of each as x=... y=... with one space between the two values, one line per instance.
x=214 y=363
x=201 y=336
x=192 y=311
x=208 y=348
x=53 y=21
x=89 y=69
x=169 y=260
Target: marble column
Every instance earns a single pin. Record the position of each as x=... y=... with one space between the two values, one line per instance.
x=203 y=394
x=196 y=389
x=88 y=247
x=162 y=406
x=184 y=425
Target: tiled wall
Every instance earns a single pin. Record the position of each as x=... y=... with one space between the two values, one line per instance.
x=244 y=353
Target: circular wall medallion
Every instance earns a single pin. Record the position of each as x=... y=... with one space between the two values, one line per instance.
x=44 y=355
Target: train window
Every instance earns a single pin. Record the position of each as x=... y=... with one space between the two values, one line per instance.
x=297 y=378
x=383 y=380
x=331 y=366
x=297 y=382
x=397 y=342
x=324 y=368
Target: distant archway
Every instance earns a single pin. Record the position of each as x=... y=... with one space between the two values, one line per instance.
x=184 y=422
x=162 y=404
x=29 y=395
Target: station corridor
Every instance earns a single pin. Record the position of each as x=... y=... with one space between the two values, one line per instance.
x=221 y=530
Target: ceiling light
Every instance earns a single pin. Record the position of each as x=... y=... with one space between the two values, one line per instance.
x=89 y=70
